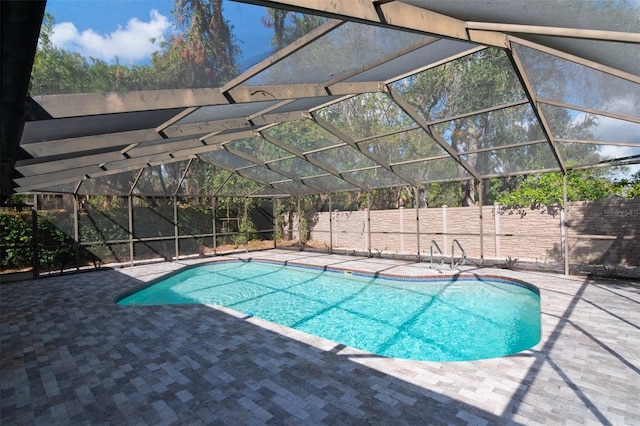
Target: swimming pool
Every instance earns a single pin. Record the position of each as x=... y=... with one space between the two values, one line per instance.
x=445 y=319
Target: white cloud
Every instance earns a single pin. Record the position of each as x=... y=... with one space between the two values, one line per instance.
x=613 y=151
x=611 y=129
x=608 y=129
x=131 y=44
x=627 y=104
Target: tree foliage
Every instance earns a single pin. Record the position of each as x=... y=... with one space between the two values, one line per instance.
x=582 y=185
x=475 y=82
x=288 y=26
x=205 y=54
x=55 y=70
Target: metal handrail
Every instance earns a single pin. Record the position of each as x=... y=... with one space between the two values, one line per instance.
x=434 y=243
x=453 y=249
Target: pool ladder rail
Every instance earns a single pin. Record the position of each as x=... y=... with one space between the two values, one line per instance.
x=435 y=244
x=463 y=259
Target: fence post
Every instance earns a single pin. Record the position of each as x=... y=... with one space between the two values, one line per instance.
x=330 y=227
x=335 y=213
x=401 y=229
x=444 y=227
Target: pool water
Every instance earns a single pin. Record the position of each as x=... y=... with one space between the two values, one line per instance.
x=436 y=320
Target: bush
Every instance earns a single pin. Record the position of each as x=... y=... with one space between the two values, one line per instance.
x=15 y=240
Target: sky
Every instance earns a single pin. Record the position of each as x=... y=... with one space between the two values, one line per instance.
x=127 y=29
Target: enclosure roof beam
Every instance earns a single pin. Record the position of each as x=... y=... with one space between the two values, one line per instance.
x=83 y=104
x=264 y=164
x=311 y=160
x=392 y=14
x=297 y=91
x=624 y=37
x=240 y=124
x=588 y=110
x=41 y=166
x=415 y=116
x=348 y=74
x=573 y=58
x=370 y=155
x=478 y=112
x=528 y=89
x=283 y=53
x=121 y=142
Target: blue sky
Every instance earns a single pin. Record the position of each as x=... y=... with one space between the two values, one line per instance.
x=106 y=29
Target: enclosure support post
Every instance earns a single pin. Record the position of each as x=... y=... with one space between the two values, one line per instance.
x=245 y=222
x=337 y=231
x=34 y=238
x=175 y=226
x=330 y=227
x=130 y=229
x=481 y=202
x=274 y=224
x=496 y=224
x=563 y=224
x=367 y=223
x=417 y=204
x=299 y=230
x=76 y=231
x=214 y=207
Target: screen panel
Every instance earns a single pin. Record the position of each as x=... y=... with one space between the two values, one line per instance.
x=481 y=80
x=433 y=170
x=405 y=146
x=343 y=158
x=358 y=44
x=566 y=123
x=366 y=115
x=567 y=82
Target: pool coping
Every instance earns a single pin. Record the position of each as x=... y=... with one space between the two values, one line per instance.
x=358 y=272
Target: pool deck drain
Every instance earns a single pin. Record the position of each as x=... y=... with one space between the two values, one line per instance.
x=69 y=355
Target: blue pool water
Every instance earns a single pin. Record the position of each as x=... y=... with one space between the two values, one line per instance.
x=436 y=320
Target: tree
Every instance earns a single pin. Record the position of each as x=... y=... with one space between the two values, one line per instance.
x=205 y=54
x=56 y=71
x=289 y=26
x=629 y=188
x=276 y=19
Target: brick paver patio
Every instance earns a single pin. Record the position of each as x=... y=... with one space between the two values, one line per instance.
x=70 y=355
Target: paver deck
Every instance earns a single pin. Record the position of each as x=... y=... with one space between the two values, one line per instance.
x=70 y=355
